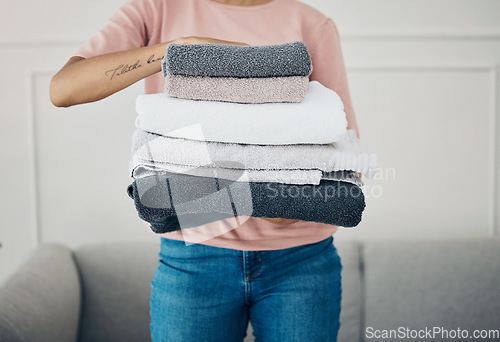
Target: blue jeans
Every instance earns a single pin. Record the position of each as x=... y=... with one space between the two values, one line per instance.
x=206 y=293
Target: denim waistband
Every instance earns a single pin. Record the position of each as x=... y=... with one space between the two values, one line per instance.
x=179 y=249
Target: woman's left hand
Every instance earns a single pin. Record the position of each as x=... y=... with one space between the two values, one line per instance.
x=279 y=220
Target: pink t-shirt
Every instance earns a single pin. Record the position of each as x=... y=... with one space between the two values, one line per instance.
x=147 y=22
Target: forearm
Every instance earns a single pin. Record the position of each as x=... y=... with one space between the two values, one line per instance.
x=87 y=80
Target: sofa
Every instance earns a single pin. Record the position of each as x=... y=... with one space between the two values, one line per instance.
x=100 y=292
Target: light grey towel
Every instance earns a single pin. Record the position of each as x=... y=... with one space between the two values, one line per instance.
x=342 y=155
x=222 y=60
x=240 y=90
x=234 y=171
x=297 y=177
x=142 y=168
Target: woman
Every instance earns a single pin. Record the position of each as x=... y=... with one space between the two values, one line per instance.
x=282 y=275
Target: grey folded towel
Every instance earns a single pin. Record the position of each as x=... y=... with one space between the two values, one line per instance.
x=176 y=201
x=222 y=60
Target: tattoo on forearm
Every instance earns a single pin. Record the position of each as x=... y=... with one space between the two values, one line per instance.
x=152 y=59
x=124 y=68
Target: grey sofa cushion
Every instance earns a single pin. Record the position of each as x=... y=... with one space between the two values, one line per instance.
x=419 y=284
x=41 y=301
x=116 y=280
x=350 y=313
x=414 y=284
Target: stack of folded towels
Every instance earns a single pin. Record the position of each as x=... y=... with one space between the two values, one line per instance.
x=240 y=131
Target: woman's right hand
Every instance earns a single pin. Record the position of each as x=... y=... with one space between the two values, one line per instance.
x=84 y=80
x=204 y=40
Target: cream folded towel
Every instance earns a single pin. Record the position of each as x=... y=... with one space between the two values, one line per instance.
x=342 y=155
x=240 y=90
x=319 y=119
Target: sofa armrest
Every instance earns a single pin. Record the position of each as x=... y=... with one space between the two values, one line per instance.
x=41 y=301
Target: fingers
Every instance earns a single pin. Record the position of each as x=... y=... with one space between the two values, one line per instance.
x=205 y=40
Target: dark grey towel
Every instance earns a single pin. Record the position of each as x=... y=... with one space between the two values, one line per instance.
x=177 y=201
x=222 y=60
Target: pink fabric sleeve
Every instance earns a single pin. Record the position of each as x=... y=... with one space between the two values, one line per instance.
x=329 y=68
x=126 y=29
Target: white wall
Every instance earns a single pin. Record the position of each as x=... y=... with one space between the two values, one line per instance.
x=424 y=78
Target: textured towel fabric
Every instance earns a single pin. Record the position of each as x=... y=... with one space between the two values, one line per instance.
x=240 y=90
x=301 y=177
x=342 y=155
x=144 y=167
x=174 y=201
x=319 y=119
x=222 y=60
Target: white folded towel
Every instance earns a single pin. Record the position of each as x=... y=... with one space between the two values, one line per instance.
x=342 y=155
x=319 y=119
